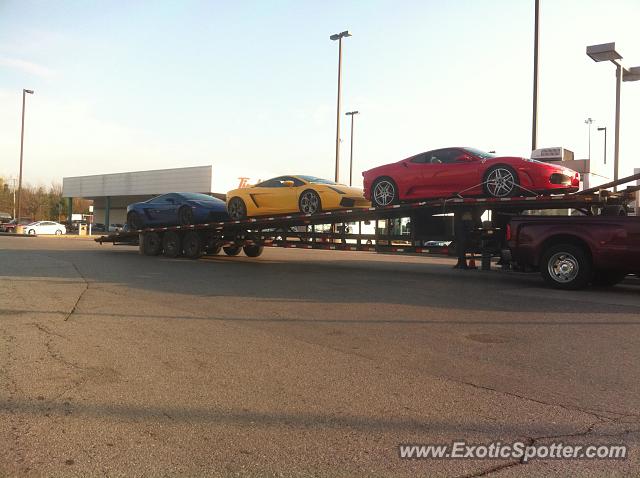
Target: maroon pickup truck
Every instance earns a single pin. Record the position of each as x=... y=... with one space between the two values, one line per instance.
x=571 y=252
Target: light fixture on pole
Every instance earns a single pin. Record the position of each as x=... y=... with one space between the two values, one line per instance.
x=589 y=122
x=339 y=37
x=19 y=208
x=607 y=52
x=352 y=114
x=604 y=128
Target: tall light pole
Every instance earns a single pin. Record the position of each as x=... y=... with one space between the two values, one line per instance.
x=604 y=128
x=589 y=122
x=339 y=37
x=536 y=36
x=13 y=183
x=24 y=93
x=352 y=114
x=607 y=52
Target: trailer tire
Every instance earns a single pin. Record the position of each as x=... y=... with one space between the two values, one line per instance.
x=171 y=244
x=232 y=250
x=192 y=245
x=566 y=266
x=253 y=251
x=152 y=244
x=607 y=278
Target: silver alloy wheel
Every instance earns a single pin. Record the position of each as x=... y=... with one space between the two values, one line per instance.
x=384 y=193
x=563 y=267
x=58 y=232
x=309 y=202
x=237 y=210
x=500 y=182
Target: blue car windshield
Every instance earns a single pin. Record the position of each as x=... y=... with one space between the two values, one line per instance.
x=313 y=179
x=197 y=197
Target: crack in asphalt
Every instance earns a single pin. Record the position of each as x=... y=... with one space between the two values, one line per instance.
x=86 y=288
x=533 y=440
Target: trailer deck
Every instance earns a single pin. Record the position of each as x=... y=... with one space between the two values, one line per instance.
x=331 y=230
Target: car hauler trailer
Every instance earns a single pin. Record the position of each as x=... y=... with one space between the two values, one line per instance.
x=428 y=220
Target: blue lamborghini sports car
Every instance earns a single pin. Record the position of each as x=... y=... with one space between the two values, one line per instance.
x=176 y=209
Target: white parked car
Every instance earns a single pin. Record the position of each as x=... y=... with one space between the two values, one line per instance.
x=45 y=227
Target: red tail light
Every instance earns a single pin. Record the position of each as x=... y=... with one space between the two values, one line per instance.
x=508 y=232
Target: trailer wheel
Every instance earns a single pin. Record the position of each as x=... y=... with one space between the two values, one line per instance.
x=185 y=216
x=501 y=181
x=608 y=278
x=253 y=251
x=171 y=244
x=152 y=245
x=566 y=266
x=192 y=245
x=232 y=250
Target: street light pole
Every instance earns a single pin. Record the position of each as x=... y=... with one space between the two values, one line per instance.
x=13 y=182
x=607 y=52
x=536 y=36
x=352 y=114
x=616 y=133
x=339 y=37
x=604 y=128
x=589 y=121
x=24 y=92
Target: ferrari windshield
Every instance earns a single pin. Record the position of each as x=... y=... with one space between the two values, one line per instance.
x=480 y=154
x=313 y=179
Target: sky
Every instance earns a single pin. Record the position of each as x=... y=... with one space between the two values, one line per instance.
x=250 y=87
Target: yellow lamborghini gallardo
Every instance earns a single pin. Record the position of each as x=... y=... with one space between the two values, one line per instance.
x=291 y=194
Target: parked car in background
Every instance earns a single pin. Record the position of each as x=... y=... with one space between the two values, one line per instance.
x=115 y=227
x=173 y=209
x=11 y=225
x=292 y=194
x=447 y=172
x=5 y=217
x=45 y=227
x=98 y=227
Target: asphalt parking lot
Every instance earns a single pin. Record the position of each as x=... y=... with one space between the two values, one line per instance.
x=301 y=363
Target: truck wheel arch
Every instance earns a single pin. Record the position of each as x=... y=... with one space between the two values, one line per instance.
x=563 y=239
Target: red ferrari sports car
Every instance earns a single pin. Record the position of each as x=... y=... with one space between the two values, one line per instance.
x=443 y=173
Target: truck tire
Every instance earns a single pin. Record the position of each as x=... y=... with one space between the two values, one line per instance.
x=566 y=266
x=192 y=245
x=152 y=245
x=171 y=244
x=608 y=278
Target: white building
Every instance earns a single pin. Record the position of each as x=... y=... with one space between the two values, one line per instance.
x=111 y=193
